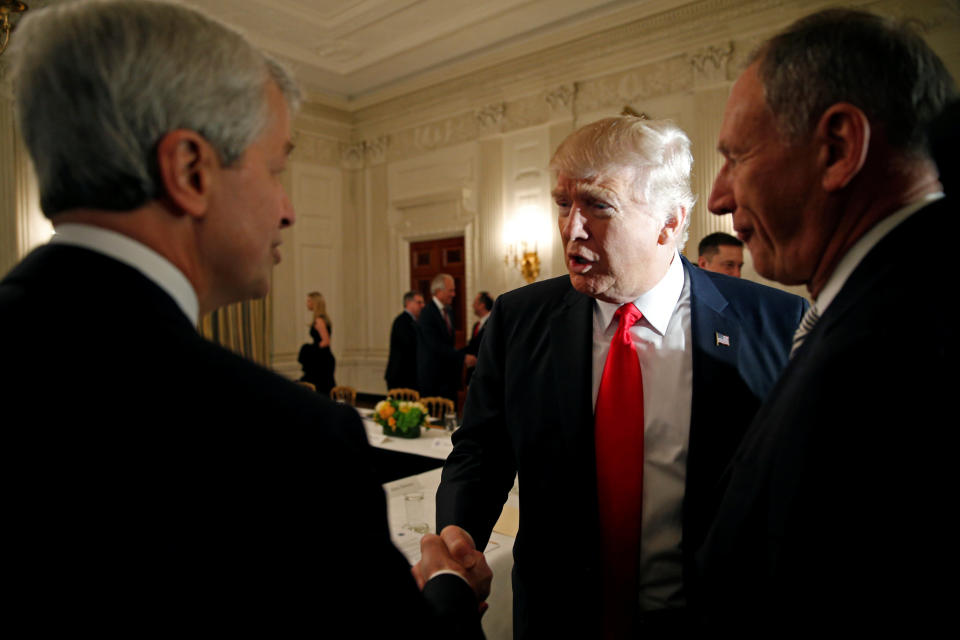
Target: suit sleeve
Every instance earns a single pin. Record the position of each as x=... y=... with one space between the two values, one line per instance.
x=479 y=472
x=369 y=567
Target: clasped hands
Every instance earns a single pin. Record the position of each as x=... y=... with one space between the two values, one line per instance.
x=454 y=550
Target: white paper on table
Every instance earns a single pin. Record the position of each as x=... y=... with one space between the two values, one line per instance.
x=408 y=541
x=404 y=486
x=442 y=443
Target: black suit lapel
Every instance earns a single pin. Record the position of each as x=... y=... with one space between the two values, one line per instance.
x=571 y=348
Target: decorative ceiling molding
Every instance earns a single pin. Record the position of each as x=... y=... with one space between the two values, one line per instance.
x=710 y=65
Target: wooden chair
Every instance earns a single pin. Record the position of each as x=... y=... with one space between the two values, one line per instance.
x=437 y=407
x=404 y=394
x=343 y=393
x=308 y=385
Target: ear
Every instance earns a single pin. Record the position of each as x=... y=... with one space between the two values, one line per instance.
x=671 y=228
x=702 y=262
x=187 y=162
x=844 y=134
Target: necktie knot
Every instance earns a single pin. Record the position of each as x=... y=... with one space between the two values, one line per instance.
x=627 y=315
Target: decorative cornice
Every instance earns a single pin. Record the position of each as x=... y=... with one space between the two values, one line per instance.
x=561 y=97
x=710 y=64
x=491 y=115
x=376 y=150
x=695 y=47
x=366 y=153
x=351 y=156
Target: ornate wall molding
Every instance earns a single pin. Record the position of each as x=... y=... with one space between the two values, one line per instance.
x=710 y=64
x=560 y=98
x=376 y=150
x=491 y=115
x=632 y=86
x=351 y=156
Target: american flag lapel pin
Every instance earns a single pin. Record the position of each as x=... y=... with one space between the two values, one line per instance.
x=722 y=339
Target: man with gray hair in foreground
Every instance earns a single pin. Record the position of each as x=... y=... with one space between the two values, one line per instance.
x=618 y=393
x=159 y=483
x=837 y=508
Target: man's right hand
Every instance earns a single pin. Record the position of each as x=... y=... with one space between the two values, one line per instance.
x=453 y=550
x=470 y=361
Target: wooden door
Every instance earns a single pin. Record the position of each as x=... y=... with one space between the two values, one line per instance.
x=446 y=255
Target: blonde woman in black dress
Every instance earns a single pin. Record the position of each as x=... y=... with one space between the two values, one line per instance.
x=315 y=357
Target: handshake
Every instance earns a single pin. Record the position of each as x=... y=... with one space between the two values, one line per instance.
x=453 y=551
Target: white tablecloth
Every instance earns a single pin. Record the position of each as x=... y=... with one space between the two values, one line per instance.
x=432 y=443
x=498 y=620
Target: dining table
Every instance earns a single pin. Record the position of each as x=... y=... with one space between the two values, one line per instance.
x=395 y=457
x=497 y=622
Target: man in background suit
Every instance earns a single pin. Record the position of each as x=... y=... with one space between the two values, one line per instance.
x=156 y=481
x=709 y=346
x=402 y=363
x=439 y=363
x=836 y=512
x=482 y=305
x=721 y=253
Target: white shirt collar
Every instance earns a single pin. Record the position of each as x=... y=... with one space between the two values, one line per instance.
x=657 y=304
x=848 y=263
x=137 y=255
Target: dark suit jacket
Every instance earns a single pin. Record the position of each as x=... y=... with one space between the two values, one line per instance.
x=157 y=482
x=439 y=362
x=402 y=364
x=837 y=512
x=530 y=409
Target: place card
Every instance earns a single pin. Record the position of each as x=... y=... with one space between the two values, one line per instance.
x=403 y=486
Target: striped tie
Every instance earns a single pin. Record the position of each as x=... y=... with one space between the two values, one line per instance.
x=806 y=324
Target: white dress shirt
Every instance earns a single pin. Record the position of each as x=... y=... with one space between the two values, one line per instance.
x=662 y=339
x=139 y=256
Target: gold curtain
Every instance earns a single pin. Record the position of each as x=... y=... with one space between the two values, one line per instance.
x=243 y=328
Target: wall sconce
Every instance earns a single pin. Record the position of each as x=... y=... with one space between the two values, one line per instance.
x=524 y=259
x=6 y=8
x=521 y=237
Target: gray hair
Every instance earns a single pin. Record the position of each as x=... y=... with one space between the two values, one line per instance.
x=98 y=85
x=439 y=282
x=841 y=55
x=656 y=151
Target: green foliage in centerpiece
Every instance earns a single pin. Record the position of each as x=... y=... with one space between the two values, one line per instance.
x=400 y=418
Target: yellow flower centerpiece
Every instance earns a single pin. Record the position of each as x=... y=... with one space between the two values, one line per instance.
x=400 y=418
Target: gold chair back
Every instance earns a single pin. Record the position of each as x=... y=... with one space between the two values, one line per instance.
x=308 y=385
x=343 y=393
x=401 y=393
x=437 y=406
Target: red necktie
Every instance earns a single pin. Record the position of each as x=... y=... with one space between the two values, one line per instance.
x=619 y=443
x=446 y=318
